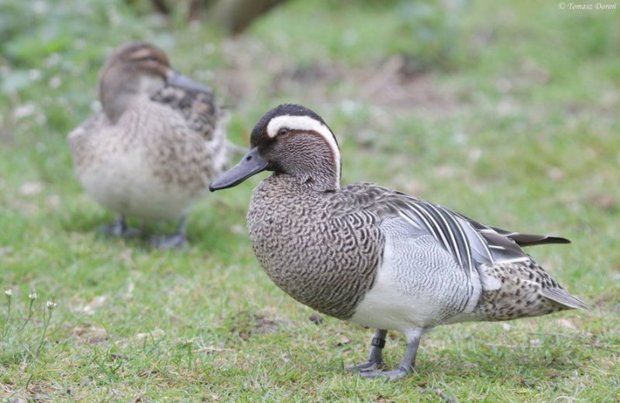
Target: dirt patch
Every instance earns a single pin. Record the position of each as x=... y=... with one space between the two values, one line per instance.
x=246 y=324
x=252 y=70
x=393 y=84
x=89 y=334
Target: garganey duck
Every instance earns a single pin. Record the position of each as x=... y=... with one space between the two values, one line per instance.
x=156 y=144
x=375 y=256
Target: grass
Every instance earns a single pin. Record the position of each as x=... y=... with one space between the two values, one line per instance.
x=507 y=113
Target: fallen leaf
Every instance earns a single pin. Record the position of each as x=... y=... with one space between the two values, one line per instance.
x=343 y=340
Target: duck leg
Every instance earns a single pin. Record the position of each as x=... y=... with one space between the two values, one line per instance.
x=406 y=365
x=175 y=241
x=119 y=228
x=375 y=357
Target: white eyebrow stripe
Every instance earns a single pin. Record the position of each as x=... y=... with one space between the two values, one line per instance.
x=307 y=124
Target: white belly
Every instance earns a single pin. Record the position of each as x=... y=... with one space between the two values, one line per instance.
x=385 y=307
x=126 y=184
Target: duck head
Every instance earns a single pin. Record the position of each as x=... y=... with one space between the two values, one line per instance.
x=137 y=69
x=292 y=140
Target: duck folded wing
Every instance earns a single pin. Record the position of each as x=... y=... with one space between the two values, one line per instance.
x=470 y=243
x=197 y=107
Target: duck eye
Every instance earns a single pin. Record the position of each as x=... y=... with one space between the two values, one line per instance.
x=282 y=131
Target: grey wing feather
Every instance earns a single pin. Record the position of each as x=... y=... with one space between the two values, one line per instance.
x=508 y=244
x=562 y=297
x=519 y=238
x=445 y=228
x=452 y=233
x=531 y=239
x=469 y=242
x=197 y=107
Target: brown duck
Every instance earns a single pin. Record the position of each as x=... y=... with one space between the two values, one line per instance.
x=157 y=142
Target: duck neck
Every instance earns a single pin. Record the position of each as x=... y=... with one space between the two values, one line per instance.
x=118 y=89
x=113 y=110
x=115 y=97
x=324 y=180
x=311 y=181
x=313 y=162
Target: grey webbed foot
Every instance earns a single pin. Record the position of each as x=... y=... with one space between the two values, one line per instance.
x=406 y=365
x=393 y=374
x=368 y=366
x=375 y=358
x=119 y=229
x=176 y=241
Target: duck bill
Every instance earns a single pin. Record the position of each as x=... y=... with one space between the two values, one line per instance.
x=176 y=79
x=251 y=164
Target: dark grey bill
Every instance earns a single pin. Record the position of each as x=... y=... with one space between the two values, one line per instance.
x=178 y=80
x=251 y=164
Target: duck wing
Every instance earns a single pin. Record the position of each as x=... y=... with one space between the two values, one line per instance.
x=197 y=107
x=470 y=243
x=479 y=250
